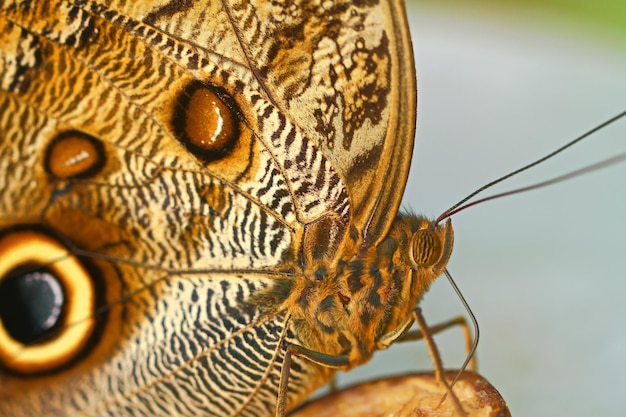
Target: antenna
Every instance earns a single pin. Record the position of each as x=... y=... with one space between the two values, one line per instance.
x=459 y=206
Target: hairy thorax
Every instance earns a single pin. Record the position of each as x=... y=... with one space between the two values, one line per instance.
x=354 y=304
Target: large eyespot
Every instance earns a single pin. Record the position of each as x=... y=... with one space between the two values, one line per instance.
x=47 y=303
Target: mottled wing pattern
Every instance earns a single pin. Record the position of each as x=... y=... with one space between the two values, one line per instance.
x=344 y=73
x=183 y=224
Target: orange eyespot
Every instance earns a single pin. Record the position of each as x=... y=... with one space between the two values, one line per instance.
x=206 y=121
x=74 y=154
x=209 y=123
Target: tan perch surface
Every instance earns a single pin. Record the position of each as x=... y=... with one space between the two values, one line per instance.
x=409 y=395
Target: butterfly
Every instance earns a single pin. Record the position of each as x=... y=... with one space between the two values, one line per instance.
x=192 y=189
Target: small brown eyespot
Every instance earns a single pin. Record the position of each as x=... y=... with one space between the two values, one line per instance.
x=74 y=154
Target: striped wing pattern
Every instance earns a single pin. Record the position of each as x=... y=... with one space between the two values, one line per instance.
x=188 y=238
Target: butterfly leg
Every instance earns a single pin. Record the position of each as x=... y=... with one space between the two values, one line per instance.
x=437 y=328
x=323 y=359
x=436 y=358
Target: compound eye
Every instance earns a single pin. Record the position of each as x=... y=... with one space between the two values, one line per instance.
x=427 y=248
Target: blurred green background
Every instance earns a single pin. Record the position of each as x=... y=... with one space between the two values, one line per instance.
x=604 y=20
x=500 y=84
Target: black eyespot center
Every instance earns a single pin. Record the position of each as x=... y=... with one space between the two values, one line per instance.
x=31 y=304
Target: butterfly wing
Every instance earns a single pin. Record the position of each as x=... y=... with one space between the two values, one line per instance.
x=343 y=72
x=174 y=155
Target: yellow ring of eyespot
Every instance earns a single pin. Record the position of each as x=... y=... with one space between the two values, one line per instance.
x=25 y=247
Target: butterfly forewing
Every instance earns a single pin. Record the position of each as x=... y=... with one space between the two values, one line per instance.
x=193 y=158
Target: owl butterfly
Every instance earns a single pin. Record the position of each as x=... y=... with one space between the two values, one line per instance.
x=190 y=188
